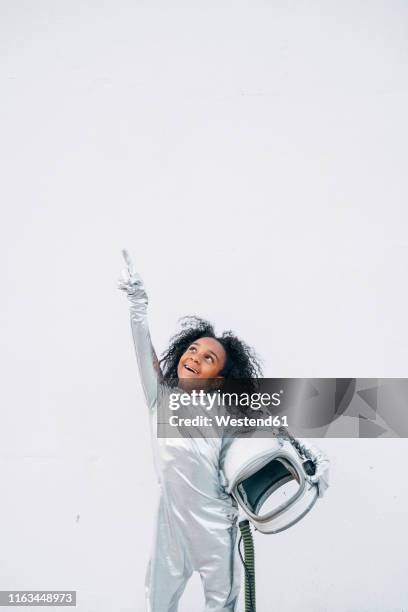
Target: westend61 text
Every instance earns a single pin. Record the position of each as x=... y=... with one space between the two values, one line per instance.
x=228 y=421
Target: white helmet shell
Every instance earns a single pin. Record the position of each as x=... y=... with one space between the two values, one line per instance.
x=255 y=468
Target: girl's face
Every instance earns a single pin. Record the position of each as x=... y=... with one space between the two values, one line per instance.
x=204 y=358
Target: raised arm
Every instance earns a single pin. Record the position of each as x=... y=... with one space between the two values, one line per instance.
x=150 y=373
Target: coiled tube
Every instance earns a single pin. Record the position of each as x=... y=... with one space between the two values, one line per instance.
x=249 y=564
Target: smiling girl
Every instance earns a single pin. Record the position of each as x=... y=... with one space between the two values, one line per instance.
x=196 y=524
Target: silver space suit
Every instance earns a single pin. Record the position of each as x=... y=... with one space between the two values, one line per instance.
x=196 y=524
x=196 y=520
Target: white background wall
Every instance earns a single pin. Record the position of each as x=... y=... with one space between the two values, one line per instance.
x=252 y=157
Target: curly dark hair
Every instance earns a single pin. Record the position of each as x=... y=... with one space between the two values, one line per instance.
x=242 y=361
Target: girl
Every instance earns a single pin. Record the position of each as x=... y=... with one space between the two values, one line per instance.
x=196 y=526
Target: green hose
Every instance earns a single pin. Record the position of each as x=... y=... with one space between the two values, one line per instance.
x=249 y=565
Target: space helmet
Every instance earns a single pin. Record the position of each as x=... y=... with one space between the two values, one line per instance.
x=270 y=480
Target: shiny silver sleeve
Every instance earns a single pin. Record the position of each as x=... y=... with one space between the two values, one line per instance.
x=132 y=285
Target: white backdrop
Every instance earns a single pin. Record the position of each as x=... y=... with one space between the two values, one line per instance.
x=252 y=157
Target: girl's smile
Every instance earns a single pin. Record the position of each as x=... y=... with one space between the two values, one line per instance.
x=204 y=358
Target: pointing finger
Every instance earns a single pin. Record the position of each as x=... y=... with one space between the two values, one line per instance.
x=128 y=261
